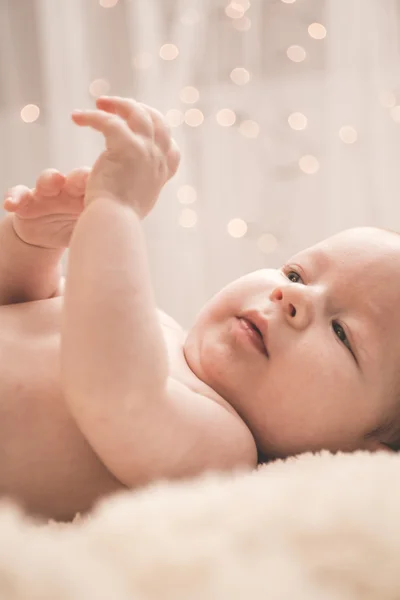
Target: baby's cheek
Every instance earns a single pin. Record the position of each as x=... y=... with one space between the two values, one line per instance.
x=298 y=381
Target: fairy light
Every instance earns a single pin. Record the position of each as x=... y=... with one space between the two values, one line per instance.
x=296 y=53
x=237 y=228
x=189 y=94
x=242 y=24
x=249 y=128
x=240 y=76
x=30 y=113
x=108 y=3
x=297 y=121
x=99 y=87
x=226 y=117
x=309 y=164
x=187 y=194
x=188 y=218
x=267 y=243
x=395 y=112
x=143 y=61
x=174 y=117
x=234 y=10
x=245 y=4
x=169 y=51
x=317 y=31
x=348 y=134
x=194 y=117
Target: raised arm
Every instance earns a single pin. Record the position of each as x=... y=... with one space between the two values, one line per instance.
x=113 y=349
x=114 y=362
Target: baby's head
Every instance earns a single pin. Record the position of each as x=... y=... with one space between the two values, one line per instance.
x=331 y=324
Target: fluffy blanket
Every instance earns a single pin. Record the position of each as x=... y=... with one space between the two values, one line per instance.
x=317 y=527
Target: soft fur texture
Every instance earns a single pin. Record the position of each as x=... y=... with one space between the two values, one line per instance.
x=317 y=527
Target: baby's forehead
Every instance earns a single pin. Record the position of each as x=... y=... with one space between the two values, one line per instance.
x=359 y=248
x=358 y=267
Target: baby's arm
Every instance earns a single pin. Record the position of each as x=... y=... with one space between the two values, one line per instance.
x=35 y=234
x=115 y=370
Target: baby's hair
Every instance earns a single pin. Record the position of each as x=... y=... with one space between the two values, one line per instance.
x=388 y=433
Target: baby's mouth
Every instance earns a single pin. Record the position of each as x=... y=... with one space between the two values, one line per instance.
x=256 y=326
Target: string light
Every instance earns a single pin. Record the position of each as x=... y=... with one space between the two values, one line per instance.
x=189 y=94
x=187 y=194
x=99 y=87
x=245 y=4
x=387 y=98
x=317 y=31
x=348 y=134
x=174 y=117
x=169 y=52
x=395 y=112
x=108 y=3
x=226 y=117
x=30 y=113
x=237 y=228
x=234 y=10
x=297 y=121
x=249 y=128
x=194 y=117
x=309 y=164
x=188 y=218
x=240 y=76
x=296 y=53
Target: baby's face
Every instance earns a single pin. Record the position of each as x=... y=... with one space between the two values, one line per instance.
x=331 y=321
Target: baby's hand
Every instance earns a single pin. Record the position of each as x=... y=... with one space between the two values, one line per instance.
x=140 y=157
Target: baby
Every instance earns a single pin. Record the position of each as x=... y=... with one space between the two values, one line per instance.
x=100 y=390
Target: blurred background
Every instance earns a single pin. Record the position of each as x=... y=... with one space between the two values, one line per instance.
x=287 y=113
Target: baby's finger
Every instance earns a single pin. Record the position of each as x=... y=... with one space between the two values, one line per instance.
x=50 y=182
x=75 y=183
x=114 y=129
x=16 y=197
x=132 y=112
x=162 y=131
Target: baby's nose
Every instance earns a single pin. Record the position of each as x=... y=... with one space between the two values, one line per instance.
x=294 y=303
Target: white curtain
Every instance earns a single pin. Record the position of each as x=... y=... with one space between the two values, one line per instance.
x=53 y=52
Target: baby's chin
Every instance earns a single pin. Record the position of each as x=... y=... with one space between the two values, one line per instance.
x=210 y=358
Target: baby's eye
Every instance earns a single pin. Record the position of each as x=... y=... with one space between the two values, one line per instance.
x=294 y=276
x=338 y=329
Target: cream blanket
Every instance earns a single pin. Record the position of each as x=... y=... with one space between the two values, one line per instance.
x=317 y=527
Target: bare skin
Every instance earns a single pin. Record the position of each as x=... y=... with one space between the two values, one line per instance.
x=101 y=390
x=47 y=463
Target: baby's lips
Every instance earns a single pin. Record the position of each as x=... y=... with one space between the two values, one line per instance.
x=257 y=319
